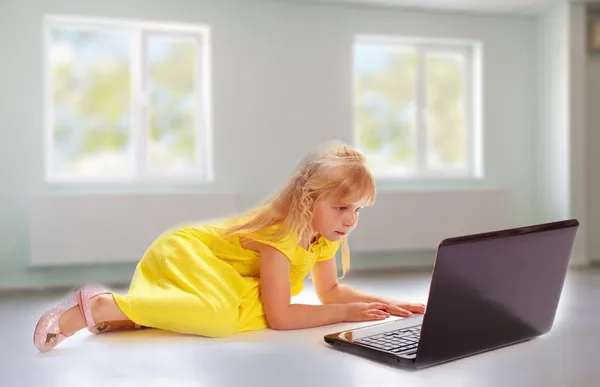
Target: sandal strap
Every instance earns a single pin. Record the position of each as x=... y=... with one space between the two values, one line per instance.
x=85 y=294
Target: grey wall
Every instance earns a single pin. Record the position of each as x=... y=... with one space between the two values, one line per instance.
x=281 y=84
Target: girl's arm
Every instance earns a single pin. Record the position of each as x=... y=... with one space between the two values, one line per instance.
x=330 y=291
x=281 y=314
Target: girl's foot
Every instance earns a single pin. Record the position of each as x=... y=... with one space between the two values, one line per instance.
x=102 y=308
x=71 y=321
x=81 y=309
x=105 y=315
x=117 y=325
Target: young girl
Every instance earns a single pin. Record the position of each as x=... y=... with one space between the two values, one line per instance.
x=239 y=274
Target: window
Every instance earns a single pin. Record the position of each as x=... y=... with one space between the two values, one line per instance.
x=126 y=101
x=414 y=108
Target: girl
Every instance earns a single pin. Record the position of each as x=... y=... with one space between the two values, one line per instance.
x=239 y=274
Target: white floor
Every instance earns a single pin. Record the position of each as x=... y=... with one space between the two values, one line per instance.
x=567 y=356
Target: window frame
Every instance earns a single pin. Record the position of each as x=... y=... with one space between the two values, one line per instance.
x=471 y=51
x=140 y=32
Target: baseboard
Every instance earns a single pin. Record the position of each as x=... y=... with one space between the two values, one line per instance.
x=63 y=278
x=360 y=262
x=7 y=291
x=118 y=276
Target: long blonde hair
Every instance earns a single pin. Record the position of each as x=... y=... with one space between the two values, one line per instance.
x=336 y=171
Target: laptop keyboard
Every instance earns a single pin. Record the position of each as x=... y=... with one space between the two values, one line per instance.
x=399 y=341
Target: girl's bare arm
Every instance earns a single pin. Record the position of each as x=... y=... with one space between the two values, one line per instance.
x=330 y=291
x=276 y=297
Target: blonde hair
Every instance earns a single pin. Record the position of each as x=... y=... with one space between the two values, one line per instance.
x=335 y=171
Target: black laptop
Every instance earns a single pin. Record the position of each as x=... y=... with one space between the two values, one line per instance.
x=487 y=291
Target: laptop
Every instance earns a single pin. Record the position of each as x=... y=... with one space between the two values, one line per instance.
x=487 y=291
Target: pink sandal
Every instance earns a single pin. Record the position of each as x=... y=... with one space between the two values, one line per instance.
x=86 y=293
x=47 y=331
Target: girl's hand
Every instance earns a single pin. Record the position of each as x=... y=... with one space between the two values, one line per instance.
x=365 y=311
x=405 y=309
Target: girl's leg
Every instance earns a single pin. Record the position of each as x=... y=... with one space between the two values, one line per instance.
x=105 y=312
x=108 y=315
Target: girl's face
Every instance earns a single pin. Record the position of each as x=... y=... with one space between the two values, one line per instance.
x=334 y=220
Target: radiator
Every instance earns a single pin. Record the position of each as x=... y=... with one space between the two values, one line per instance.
x=66 y=230
x=419 y=220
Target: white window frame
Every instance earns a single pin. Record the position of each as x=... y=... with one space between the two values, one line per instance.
x=471 y=50
x=203 y=171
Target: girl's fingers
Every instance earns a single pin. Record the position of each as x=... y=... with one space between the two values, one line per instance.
x=415 y=307
x=378 y=305
x=379 y=313
x=412 y=307
x=400 y=312
x=374 y=316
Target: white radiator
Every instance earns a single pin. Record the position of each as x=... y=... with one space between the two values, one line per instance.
x=419 y=220
x=80 y=229
x=112 y=228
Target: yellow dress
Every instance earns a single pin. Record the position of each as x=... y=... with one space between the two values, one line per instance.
x=197 y=280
